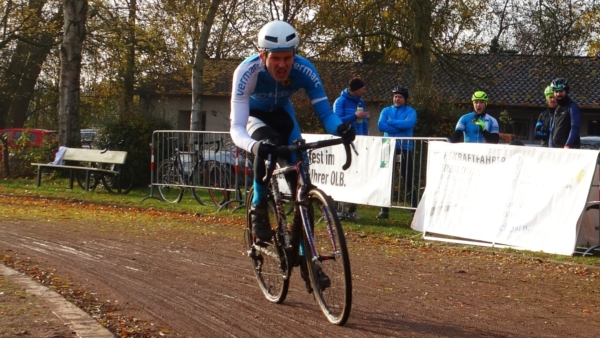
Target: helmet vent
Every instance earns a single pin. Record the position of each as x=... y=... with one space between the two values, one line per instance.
x=271 y=38
x=289 y=37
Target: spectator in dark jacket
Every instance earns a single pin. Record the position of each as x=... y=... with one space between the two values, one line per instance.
x=564 y=125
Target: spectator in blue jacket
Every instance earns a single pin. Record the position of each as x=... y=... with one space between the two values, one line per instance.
x=347 y=106
x=398 y=120
x=351 y=109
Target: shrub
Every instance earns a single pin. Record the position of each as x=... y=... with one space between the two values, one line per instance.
x=436 y=114
x=23 y=153
x=136 y=132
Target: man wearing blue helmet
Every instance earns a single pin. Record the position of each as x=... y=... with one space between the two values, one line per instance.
x=262 y=116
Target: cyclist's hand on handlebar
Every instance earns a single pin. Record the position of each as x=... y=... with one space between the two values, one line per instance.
x=264 y=148
x=346 y=131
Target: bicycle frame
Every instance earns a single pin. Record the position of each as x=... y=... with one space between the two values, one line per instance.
x=301 y=167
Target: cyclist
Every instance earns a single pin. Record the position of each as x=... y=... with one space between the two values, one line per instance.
x=262 y=116
x=564 y=125
x=477 y=126
x=542 y=127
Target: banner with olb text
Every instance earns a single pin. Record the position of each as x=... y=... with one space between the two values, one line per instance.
x=367 y=181
x=523 y=197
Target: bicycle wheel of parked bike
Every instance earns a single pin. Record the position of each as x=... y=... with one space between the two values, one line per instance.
x=269 y=262
x=120 y=184
x=93 y=177
x=193 y=181
x=169 y=182
x=217 y=179
x=330 y=272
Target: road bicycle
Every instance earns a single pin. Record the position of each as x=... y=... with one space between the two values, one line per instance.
x=188 y=169
x=122 y=182
x=322 y=252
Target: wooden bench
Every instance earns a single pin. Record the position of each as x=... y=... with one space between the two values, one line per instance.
x=82 y=158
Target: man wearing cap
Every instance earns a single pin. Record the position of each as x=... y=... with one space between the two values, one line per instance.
x=398 y=120
x=351 y=109
x=542 y=127
x=564 y=124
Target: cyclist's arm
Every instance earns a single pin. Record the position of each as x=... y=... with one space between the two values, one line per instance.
x=456 y=137
x=312 y=84
x=492 y=135
x=320 y=103
x=244 y=82
x=575 y=120
x=459 y=131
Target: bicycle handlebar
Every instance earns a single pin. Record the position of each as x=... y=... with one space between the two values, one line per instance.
x=301 y=145
x=111 y=144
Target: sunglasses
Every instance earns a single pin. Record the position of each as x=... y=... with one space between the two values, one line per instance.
x=558 y=87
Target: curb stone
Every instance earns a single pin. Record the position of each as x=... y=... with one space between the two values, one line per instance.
x=76 y=319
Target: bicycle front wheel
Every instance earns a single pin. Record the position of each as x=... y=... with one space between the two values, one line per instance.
x=269 y=262
x=329 y=264
x=169 y=182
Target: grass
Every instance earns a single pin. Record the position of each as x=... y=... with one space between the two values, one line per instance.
x=397 y=227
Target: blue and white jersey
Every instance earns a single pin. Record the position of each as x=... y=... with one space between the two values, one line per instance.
x=472 y=132
x=255 y=89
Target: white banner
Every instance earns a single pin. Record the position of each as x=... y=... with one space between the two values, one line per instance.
x=367 y=181
x=523 y=197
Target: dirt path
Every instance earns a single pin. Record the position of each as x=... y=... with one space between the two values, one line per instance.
x=199 y=284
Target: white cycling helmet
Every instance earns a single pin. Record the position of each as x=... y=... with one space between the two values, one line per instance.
x=277 y=36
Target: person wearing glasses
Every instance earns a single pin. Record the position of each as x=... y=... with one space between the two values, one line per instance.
x=564 y=123
x=542 y=127
x=477 y=126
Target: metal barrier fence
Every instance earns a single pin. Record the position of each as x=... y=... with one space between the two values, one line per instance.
x=195 y=160
x=409 y=173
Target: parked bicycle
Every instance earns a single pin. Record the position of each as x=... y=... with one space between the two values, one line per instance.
x=188 y=169
x=122 y=182
x=324 y=262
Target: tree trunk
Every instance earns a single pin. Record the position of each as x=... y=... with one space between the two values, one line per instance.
x=10 y=82
x=21 y=71
x=19 y=107
x=197 y=122
x=129 y=76
x=75 y=12
x=421 y=44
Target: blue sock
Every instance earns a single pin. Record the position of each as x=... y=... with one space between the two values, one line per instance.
x=260 y=194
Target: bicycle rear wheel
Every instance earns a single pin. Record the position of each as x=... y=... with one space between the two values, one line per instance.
x=269 y=262
x=169 y=182
x=329 y=269
x=216 y=181
x=112 y=183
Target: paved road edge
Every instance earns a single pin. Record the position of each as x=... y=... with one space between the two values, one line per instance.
x=78 y=320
